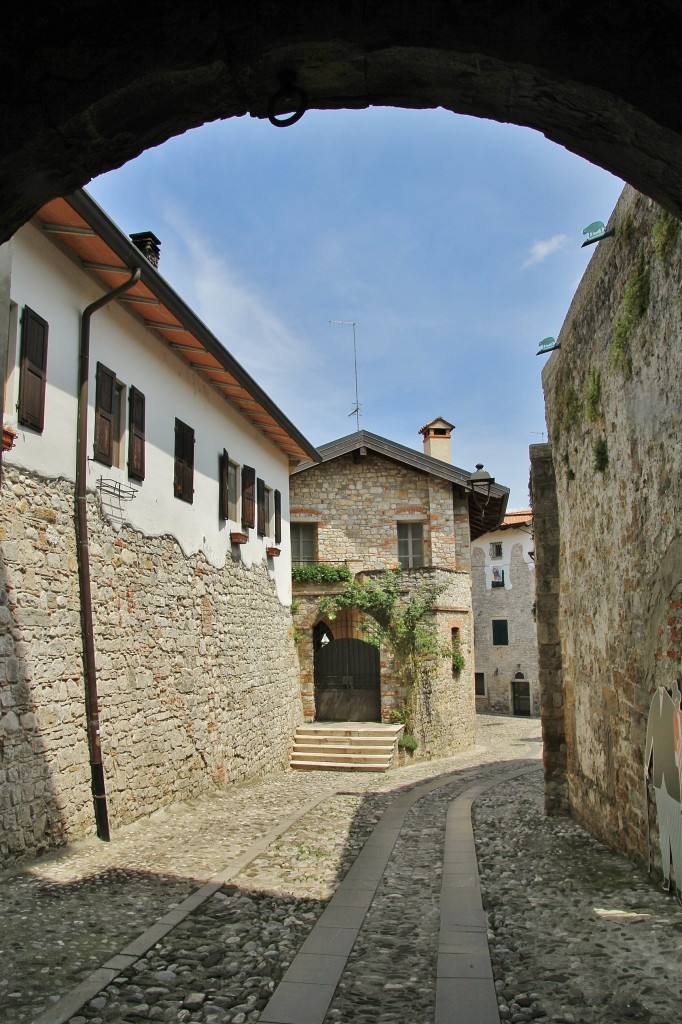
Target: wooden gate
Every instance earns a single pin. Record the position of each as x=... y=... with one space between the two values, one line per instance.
x=347 y=682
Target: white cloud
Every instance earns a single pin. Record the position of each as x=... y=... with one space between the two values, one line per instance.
x=540 y=250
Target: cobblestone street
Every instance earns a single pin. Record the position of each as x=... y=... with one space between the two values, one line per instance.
x=577 y=934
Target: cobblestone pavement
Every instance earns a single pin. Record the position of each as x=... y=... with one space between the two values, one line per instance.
x=577 y=934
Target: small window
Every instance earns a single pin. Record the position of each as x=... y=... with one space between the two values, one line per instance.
x=33 y=372
x=411 y=545
x=278 y=517
x=248 y=497
x=228 y=477
x=262 y=495
x=500 y=633
x=497 y=577
x=479 y=684
x=106 y=398
x=136 y=437
x=118 y=424
x=496 y=549
x=303 y=542
x=183 y=479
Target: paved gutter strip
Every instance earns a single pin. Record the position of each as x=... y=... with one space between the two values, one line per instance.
x=464 y=974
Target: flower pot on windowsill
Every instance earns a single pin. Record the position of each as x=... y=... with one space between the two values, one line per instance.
x=238 y=538
x=9 y=436
x=272 y=552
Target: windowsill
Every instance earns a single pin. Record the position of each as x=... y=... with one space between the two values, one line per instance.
x=238 y=538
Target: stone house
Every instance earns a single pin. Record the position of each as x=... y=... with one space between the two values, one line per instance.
x=372 y=505
x=505 y=636
x=146 y=646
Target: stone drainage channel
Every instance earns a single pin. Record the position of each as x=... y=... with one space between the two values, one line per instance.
x=364 y=905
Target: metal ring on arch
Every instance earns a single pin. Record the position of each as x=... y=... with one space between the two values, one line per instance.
x=288 y=91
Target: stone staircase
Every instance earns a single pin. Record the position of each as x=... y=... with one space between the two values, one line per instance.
x=346 y=746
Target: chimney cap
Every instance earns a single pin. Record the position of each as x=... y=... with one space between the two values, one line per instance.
x=145 y=236
x=438 y=424
x=149 y=245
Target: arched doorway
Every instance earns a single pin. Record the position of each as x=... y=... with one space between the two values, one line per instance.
x=347 y=675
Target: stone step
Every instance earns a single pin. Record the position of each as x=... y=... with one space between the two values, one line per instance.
x=340 y=749
x=372 y=743
x=337 y=766
x=383 y=757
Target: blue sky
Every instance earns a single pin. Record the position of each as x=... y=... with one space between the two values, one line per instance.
x=453 y=243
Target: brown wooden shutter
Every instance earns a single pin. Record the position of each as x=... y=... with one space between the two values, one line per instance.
x=248 y=497
x=224 y=486
x=105 y=391
x=183 y=478
x=33 y=373
x=136 y=434
x=260 y=500
x=278 y=517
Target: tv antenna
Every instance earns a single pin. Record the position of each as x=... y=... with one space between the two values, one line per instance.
x=355 y=411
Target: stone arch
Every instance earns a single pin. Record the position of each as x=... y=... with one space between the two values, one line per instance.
x=92 y=90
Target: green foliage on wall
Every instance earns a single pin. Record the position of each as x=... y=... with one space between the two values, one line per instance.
x=320 y=573
x=634 y=306
x=666 y=232
x=569 y=408
x=458 y=659
x=593 y=397
x=601 y=454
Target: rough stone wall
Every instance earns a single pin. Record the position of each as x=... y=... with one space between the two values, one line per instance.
x=196 y=670
x=547 y=585
x=499 y=663
x=613 y=414
x=357 y=504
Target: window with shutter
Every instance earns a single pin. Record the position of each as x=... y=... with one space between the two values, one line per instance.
x=183 y=482
x=136 y=434
x=278 y=517
x=262 y=513
x=105 y=396
x=33 y=370
x=248 y=497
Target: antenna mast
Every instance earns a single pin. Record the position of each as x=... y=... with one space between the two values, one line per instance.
x=355 y=411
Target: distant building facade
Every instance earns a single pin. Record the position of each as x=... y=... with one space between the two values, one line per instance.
x=505 y=638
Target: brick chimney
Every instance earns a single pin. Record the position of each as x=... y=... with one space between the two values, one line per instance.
x=149 y=246
x=436 y=436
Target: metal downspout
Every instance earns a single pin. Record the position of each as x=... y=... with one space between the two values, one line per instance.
x=83 y=556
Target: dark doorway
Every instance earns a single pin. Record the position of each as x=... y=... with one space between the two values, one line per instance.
x=521 y=697
x=347 y=682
